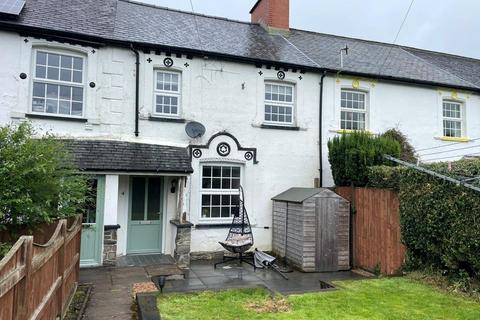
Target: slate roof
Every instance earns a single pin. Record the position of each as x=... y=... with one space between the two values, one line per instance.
x=106 y=155
x=122 y=21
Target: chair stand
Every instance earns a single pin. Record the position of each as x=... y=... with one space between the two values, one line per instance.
x=241 y=258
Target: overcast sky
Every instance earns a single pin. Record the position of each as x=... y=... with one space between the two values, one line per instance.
x=440 y=25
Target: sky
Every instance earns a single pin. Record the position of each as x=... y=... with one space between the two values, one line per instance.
x=440 y=25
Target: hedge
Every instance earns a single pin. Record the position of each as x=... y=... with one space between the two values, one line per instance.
x=440 y=221
x=385 y=177
x=351 y=154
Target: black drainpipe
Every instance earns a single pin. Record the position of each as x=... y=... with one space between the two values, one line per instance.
x=137 y=85
x=320 y=111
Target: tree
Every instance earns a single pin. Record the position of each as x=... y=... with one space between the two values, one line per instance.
x=38 y=181
x=408 y=151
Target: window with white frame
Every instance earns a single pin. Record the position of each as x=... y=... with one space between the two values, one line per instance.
x=219 y=191
x=279 y=103
x=167 y=93
x=58 y=84
x=452 y=119
x=353 y=106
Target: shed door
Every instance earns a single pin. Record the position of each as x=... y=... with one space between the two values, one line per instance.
x=327 y=222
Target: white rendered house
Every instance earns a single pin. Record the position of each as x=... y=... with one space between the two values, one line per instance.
x=120 y=80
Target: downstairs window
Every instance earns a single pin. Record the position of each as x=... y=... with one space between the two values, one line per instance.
x=219 y=191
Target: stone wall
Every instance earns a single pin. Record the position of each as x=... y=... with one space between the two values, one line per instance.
x=182 y=243
x=110 y=246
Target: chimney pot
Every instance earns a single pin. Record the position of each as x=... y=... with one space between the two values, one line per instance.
x=273 y=15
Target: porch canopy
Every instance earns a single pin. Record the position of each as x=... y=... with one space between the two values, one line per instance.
x=129 y=157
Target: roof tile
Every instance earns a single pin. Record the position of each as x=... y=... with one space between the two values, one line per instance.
x=130 y=22
x=107 y=155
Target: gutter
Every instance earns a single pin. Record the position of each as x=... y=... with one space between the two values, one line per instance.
x=137 y=85
x=320 y=129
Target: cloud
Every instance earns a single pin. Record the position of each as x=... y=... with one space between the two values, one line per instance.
x=439 y=25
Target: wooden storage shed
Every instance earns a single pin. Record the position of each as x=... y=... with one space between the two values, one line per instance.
x=311 y=228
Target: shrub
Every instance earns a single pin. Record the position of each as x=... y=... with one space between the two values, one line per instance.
x=351 y=154
x=440 y=221
x=4 y=248
x=38 y=183
x=407 y=151
x=385 y=177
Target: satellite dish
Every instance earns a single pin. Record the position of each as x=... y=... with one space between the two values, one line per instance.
x=194 y=129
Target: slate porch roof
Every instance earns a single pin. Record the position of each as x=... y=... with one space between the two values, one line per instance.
x=123 y=22
x=121 y=156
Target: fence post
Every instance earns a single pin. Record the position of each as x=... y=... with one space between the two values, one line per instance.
x=61 y=267
x=24 y=305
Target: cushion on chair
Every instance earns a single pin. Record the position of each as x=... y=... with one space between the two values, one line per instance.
x=237 y=241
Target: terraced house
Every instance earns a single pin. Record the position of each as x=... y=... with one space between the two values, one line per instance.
x=120 y=81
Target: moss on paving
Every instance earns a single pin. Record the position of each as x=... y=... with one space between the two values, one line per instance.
x=390 y=298
x=78 y=300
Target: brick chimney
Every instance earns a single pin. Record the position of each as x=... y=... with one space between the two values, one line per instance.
x=273 y=15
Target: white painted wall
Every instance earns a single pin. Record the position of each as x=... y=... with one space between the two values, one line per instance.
x=415 y=110
x=111 y=199
x=122 y=213
x=212 y=94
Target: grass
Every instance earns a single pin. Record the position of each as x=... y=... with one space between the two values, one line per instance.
x=386 y=299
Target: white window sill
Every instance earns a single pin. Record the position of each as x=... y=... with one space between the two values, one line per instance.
x=55 y=117
x=348 y=131
x=166 y=119
x=278 y=126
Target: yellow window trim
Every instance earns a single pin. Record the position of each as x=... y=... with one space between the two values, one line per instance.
x=348 y=131
x=456 y=139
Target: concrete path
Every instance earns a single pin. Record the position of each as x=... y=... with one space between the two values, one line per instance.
x=112 y=298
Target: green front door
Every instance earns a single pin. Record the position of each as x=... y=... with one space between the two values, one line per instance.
x=146 y=215
x=92 y=227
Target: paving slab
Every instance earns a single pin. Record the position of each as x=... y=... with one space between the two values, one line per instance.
x=112 y=296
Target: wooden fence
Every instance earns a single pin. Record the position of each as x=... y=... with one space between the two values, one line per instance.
x=376 y=237
x=39 y=274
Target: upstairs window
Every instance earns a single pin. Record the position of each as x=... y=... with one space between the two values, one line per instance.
x=167 y=93
x=58 y=84
x=452 y=119
x=279 y=104
x=219 y=191
x=353 y=110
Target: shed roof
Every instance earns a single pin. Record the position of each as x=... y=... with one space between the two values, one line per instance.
x=128 y=22
x=298 y=195
x=122 y=156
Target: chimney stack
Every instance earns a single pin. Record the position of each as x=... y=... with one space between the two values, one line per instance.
x=273 y=15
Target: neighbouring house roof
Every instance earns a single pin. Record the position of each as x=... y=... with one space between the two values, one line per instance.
x=126 y=22
x=298 y=195
x=121 y=156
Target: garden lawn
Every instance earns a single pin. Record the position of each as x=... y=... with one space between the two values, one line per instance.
x=390 y=298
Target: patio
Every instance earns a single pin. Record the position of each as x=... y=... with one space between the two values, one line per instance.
x=112 y=298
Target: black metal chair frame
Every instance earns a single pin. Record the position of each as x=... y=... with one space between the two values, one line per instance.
x=240 y=226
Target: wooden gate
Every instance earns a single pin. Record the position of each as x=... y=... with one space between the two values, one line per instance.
x=38 y=279
x=376 y=234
